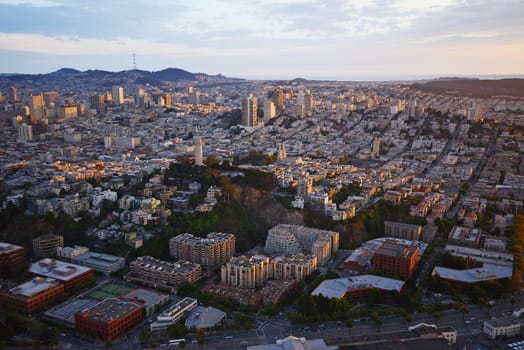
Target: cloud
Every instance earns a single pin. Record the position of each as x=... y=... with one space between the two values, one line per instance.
x=31 y=3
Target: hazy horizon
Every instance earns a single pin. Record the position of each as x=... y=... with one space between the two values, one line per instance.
x=274 y=39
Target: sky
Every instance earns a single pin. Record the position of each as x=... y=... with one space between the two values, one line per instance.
x=267 y=39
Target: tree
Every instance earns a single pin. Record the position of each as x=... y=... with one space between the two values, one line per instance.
x=108 y=344
x=182 y=344
x=201 y=336
x=436 y=315
x=464 y=310
x=512 y=300
x=350 y=324
x=376 y=320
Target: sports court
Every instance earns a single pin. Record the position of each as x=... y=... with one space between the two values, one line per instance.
x=110 y=290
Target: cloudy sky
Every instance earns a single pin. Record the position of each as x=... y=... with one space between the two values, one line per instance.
x=329 y=39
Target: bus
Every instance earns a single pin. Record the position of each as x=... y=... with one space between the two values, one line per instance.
x=174 y=342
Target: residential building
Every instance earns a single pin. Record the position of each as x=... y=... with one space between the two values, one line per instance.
x=33 y=296
x=292 y=267
x=97 y=102
x=12 y=259
x=216 y=249
x=402 y=230
x=395 y=258
x=162 y=274
x=45 y=246
x=246 y=272
x=109 y=318
x=291 y=239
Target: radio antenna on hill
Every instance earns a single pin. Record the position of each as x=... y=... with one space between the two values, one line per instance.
x=134 y=60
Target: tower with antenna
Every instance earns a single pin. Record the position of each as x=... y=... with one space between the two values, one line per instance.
x=134 y=60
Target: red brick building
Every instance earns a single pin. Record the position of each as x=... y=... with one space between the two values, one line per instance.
x=33 y=296
x=396 y=259
x=12 y=259
x=109 y=318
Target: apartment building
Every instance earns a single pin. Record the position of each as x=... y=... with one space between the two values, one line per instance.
x=216 y=249
x=162 y=274
x=246 y=272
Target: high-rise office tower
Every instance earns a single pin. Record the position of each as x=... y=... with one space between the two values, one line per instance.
x=167 y=99
x=199 y=157
x=278 y=98
x=13 y=94
x=97 y=102
x=269 y=110
x=36 y=106
x=118 y=95
x=25 y=132
x=193 y=96
x=308 y=103
x=249 y=111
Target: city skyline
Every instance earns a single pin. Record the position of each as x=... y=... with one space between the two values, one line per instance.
x=342 y=40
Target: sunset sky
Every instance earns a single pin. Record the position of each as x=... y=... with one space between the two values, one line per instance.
x=322 y=39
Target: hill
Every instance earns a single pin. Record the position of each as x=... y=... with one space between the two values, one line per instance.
x=513 y=88
x=67 y=78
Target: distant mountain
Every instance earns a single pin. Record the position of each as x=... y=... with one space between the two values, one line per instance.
x=173 y=74
x=105 y=79
x=474 y=87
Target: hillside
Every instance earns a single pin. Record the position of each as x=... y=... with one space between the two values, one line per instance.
x=513 y=88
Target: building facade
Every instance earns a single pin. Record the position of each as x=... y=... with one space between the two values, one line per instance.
x=246 y=272
x=12 y=259
x=46 y=246
x=396 y=258
x=32 y=296
x=109 y=318
x=162 y=274
x=402 y=230
x=291 y=239
x=70 y=275
x=216 y=249
x=292 y=267
x=249 y=111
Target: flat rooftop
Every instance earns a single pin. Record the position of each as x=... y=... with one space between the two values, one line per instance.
x=62 y=271
x=144 y=297
x=110 y=309
x=337 y=288
x=150 y=263
x=8 y=247
x=485 y=273
x=35 y=286
x=65 y=312
x=396 y=249
x=485 y=256
x=99 y=259
x=465 y=234
x=204 y=317
x=504 y=321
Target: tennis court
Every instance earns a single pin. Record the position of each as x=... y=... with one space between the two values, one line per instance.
x=110 y=290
